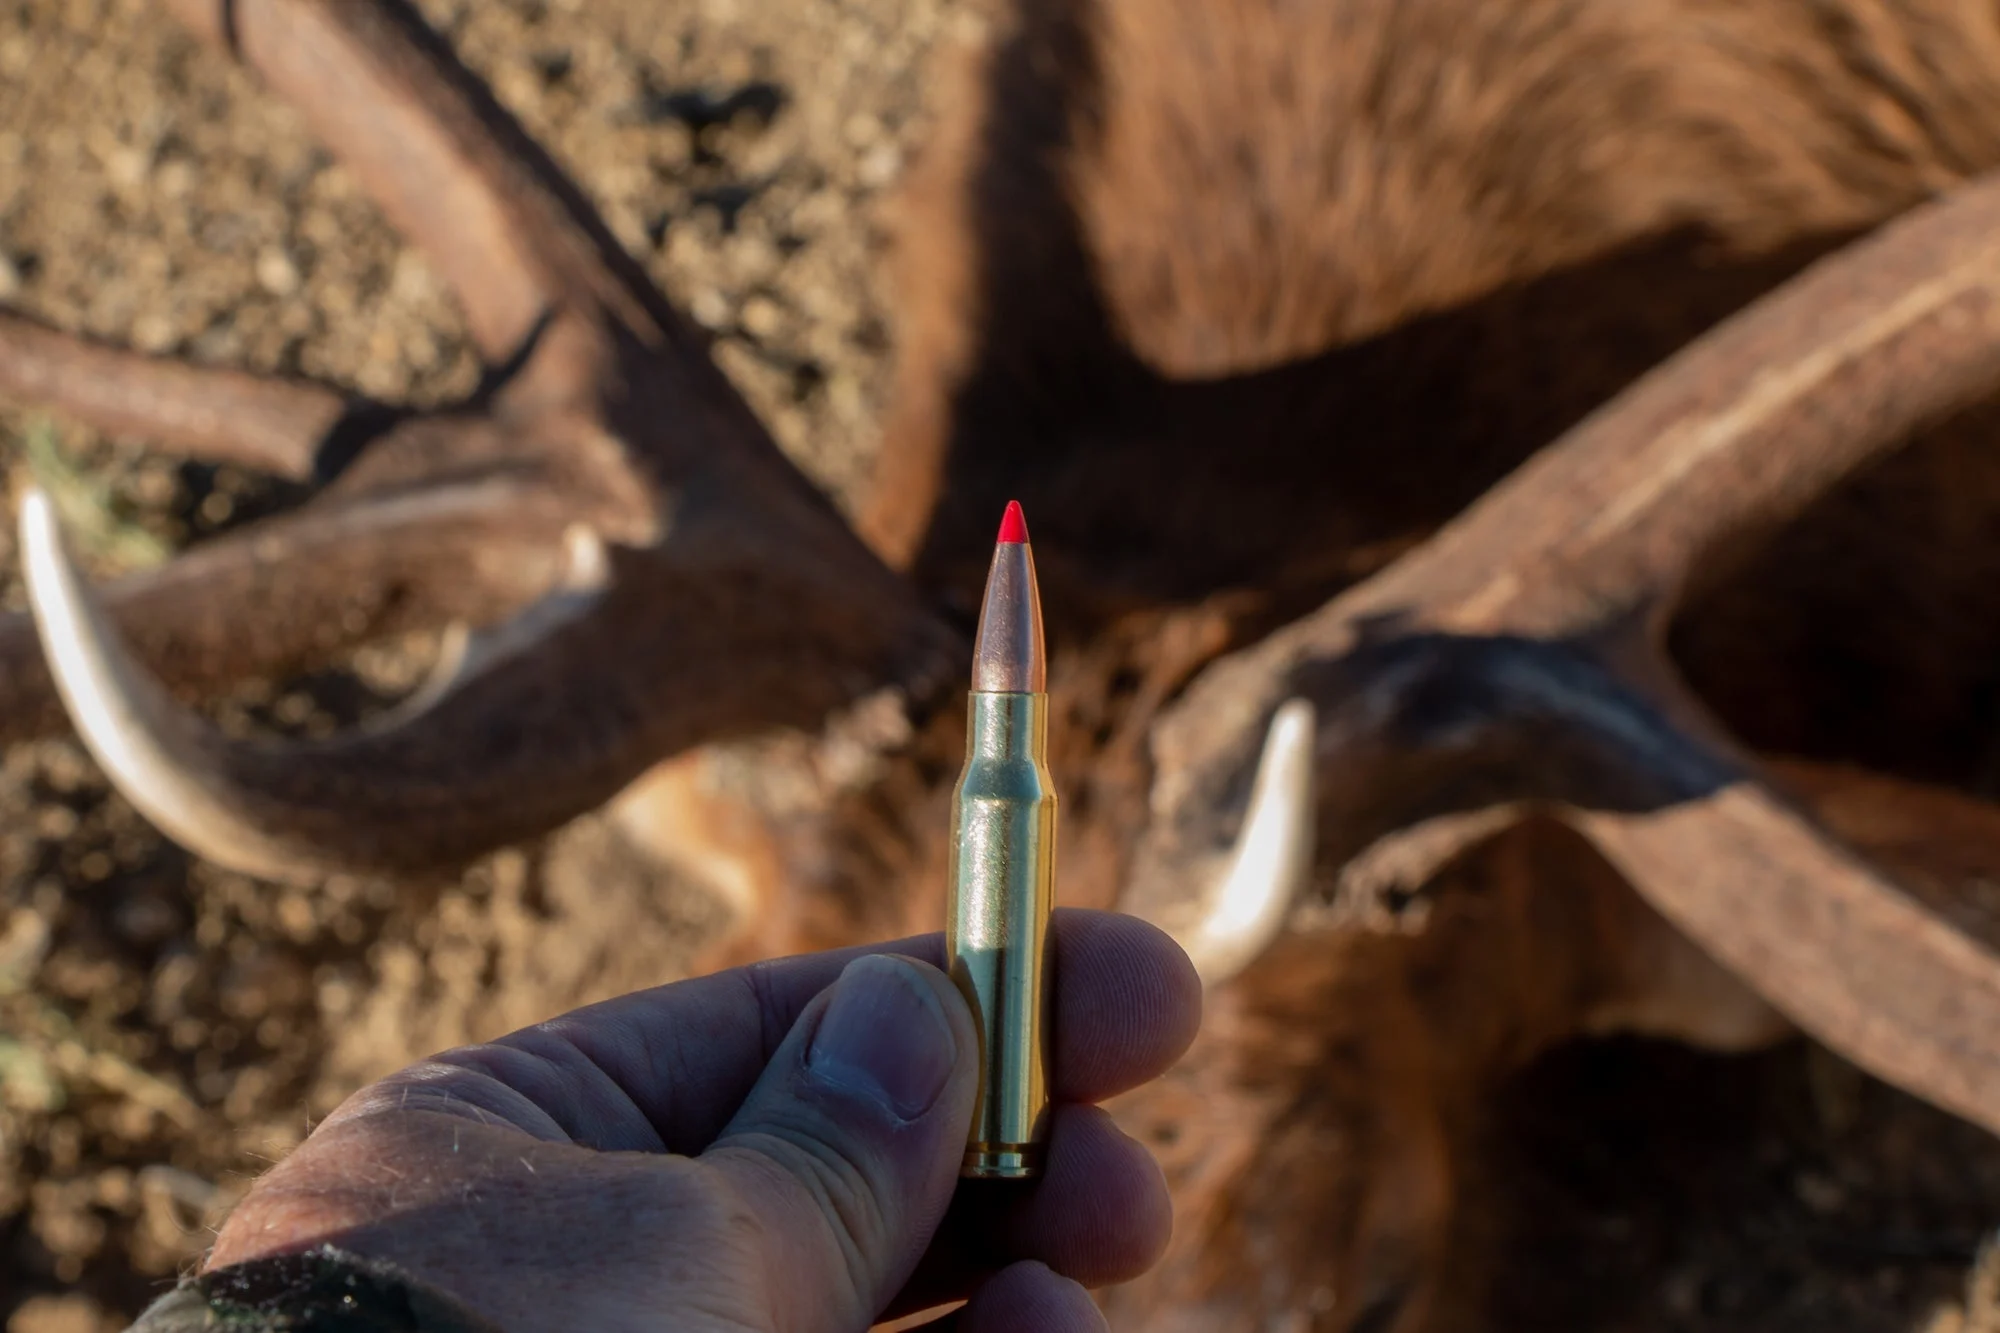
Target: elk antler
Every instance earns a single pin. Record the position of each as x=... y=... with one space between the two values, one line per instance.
x=667 y=570
x=1515 y=658
x=1251 y=888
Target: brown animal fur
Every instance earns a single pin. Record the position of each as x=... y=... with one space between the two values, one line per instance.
x=1386 y=251
x=1240 y=294
x=1323 y=1138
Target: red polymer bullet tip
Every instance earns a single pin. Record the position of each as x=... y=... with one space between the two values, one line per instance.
x=1014 y=528
x=1007 y=656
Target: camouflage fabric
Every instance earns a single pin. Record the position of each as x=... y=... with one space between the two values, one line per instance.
x=321 y=1291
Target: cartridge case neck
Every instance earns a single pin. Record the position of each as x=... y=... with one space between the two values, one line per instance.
x=1007 y=725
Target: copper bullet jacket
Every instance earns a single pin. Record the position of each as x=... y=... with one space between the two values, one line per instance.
x=1007 y=657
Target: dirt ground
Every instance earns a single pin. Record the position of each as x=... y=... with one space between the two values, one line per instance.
x=165 y=1027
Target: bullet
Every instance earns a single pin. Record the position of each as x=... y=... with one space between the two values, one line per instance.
x=1002 y=869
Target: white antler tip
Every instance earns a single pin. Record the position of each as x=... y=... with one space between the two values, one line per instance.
x=1273 y=854
x=40 y=535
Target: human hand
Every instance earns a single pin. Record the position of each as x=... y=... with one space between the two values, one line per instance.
x=770 y=1148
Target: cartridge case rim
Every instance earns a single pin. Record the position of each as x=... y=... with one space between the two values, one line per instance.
x=1013 y=1161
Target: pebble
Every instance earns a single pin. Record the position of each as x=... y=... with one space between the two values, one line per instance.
x=58 y=1314
x=127 y=166
x=276 y=273
x=709 y=307
x=761 y=317
x=881 y=165
x=152 y=332
x=24 y=942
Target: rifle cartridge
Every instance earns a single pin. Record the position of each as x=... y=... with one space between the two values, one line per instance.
x=1002 y=868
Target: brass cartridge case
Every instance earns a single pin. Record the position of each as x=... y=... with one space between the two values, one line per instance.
x=1002 y=890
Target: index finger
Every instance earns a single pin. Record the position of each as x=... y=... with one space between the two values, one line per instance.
x=663 y=1070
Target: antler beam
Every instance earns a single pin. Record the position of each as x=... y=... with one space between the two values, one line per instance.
x=1516 y=657
x=668 y=568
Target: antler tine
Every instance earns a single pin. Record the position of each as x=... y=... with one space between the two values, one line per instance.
x=226 y=416
x=1811 y=926
x=182 y=774
x=1514 y=657
x=543 y=719
x=447 y=164
x=1255 y=885
x=312 y=583
x=1440 y=724
x=723 y=571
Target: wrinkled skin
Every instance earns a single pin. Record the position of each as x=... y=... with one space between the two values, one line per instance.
x=775 y=1148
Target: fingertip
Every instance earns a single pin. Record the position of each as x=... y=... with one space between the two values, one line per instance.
x=1029 y=1297
x=1129 y=1006
x=897 y=1032
x=1101 y=1212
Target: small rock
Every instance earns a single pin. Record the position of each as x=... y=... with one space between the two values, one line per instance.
x=174 y=178
x=146 y=920
x=751 y=258
x=276 y=273
x=336 y=300
x=113 y=1188
x=881 y=165
x=28 y=1084
x=296 y=918
x=58 y=1314
x=128 y=166
x=845 y=398
x=152 y=333
x=761 y=316
x=862 y=129
x=217 y=507
x=23 y=944
x=709 y=307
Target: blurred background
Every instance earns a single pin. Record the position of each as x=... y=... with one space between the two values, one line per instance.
x=166 y=1027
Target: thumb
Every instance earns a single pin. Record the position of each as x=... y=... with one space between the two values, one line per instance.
x=847 y=1151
